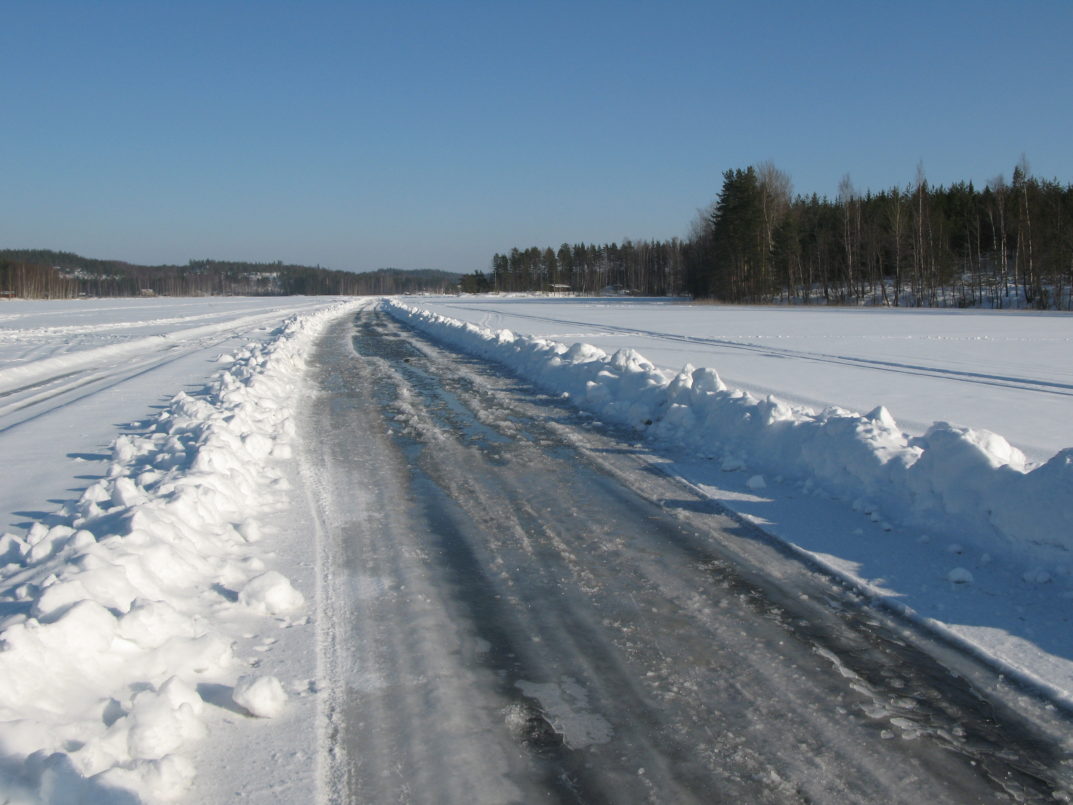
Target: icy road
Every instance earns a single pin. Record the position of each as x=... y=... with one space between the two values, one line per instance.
x=517 y=605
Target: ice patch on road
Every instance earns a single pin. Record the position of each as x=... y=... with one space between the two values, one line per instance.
x=566 y=704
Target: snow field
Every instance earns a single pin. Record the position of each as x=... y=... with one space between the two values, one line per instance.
x=38 y=370
x=953 y=481
x=115 y=619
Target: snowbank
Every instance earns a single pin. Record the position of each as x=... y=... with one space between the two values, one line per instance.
x=969 y=484
x=116 y=615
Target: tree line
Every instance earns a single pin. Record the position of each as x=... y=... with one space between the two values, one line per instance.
x=650 y=268
x=1008 y=244
x=45 y=274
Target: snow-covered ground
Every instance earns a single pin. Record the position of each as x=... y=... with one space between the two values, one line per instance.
x=142 y=605
x=157 y=574
x=873 y=442
x=1008 y=372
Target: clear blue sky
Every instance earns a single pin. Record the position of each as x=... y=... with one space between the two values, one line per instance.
x=366 y=134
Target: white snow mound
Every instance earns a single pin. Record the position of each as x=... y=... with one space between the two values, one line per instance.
x=261 y=696
x=272 y=594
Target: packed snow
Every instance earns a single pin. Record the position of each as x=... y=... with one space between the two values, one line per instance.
x=855 y=492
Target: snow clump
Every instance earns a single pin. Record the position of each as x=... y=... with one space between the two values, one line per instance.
x=756 y=483
x=960 y=575
x=261 y=696
x=272 y=594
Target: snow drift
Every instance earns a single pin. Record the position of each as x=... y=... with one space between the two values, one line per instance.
x=971 y=484
x=122 y=610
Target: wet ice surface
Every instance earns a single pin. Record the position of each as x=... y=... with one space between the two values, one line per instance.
x=525 y=610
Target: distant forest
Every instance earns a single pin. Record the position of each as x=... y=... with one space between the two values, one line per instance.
x=43 y=274
x=1009 y=244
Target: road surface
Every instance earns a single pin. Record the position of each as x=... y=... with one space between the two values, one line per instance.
x=517 y=605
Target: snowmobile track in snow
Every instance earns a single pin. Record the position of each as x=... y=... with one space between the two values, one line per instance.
x=517 y=605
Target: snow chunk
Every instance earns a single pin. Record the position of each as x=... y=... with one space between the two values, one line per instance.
x=960 y=575
x=583 y=353
x=272 y=594
x=707 y=381
x=261 y=696
x=1036 y=576
x=881 y=416
x=250 y=531
x=161 y=723
x=258 y=445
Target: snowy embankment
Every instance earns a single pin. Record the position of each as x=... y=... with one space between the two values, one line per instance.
x=120 y=619
x=952 y=481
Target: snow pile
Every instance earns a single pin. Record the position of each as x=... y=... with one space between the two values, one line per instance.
x=117 y=616
x=969 y=484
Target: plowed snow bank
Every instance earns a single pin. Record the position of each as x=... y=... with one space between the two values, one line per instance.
x=115 y=617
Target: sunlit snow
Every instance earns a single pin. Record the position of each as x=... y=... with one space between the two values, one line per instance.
x=125 y=609
x=151 y=604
